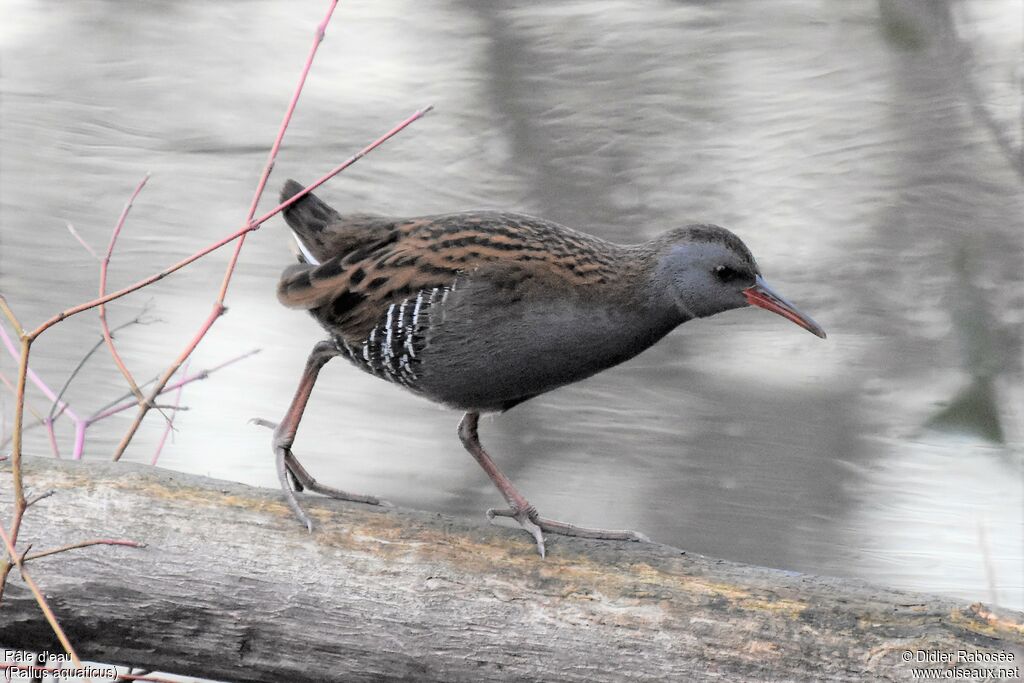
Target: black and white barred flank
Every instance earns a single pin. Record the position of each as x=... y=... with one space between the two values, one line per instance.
x=391 y=350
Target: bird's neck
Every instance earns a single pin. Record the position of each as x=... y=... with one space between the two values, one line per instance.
x=645 y=287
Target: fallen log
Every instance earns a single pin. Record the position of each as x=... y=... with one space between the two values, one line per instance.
x=231 y=587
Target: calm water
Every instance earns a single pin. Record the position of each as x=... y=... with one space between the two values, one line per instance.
x=866 y=152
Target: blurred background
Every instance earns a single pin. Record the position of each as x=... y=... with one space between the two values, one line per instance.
x=867 y=152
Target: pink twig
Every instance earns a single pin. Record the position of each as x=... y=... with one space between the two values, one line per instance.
x=202 y=374
x=256 y=223
x=170 y=423
x=74 y=233
x=80 y=427
x=53 y=438
x=218 y=305
x=345 y=164
x=104 y=264
x=318 y=37
x=79 y=423
x=36 y=379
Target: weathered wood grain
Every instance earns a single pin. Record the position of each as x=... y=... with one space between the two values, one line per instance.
x=230 y=586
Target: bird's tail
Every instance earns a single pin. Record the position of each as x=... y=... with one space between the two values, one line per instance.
x=308 y=218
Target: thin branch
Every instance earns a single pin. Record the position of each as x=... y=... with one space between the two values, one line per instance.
x=268 y=167
x=74 y=233
x=9 y=314
x=54 y=401
x=156 y=277
x=83 y=544
x=116 y=407
x=16 y=476
x=35 y=499
x=14 y=390
x=104 y=265
x=79 y=448
x=170 y=423
x=85 y=359
x=51 y=618
x=36 y=379
x=51 y=436
x=218 y=308
x=218 y=305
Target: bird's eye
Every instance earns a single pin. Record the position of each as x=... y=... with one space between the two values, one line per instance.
x=726 y=274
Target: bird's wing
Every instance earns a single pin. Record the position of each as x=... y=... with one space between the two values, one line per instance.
x=351 y=293
x=369 y=264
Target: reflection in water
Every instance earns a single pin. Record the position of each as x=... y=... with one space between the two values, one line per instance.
x=989 y=350
x=861 y=152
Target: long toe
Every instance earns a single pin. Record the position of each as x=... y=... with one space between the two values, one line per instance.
x=304 y=480
x=338 y=494
x=284 y=472
x=553 y=526
x=526 y=522
x=565 y=529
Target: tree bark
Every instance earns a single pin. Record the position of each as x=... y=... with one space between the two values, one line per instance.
x=230 y=586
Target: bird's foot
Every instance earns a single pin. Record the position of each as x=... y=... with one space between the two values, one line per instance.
x=302 y=479
x=527 y=519
x=536 y=525
x=294 y=477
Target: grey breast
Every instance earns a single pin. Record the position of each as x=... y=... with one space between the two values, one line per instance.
x=485 y=352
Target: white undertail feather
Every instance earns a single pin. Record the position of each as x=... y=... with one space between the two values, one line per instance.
x=367 y=344
x=310 y=259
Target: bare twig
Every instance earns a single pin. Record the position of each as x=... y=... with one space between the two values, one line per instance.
x=104 y=265
x=218 y=308
x=124 y=404
x=26 y=338
x=35 y=499
x=51 y=436
x=9 y=314
x=83 y=544
x=37 y=380
x=14 y=390
x=19 y=418
x=254 y=225
x=85 y=359
x=74 y=233
x=218 y=305
x=268 y=167
x=170 y=423
x=51 y=618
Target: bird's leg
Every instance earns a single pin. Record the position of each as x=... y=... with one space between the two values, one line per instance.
x=289 y=471
x=520 y=509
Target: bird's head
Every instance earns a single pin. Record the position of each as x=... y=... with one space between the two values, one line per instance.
x=708 y=270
